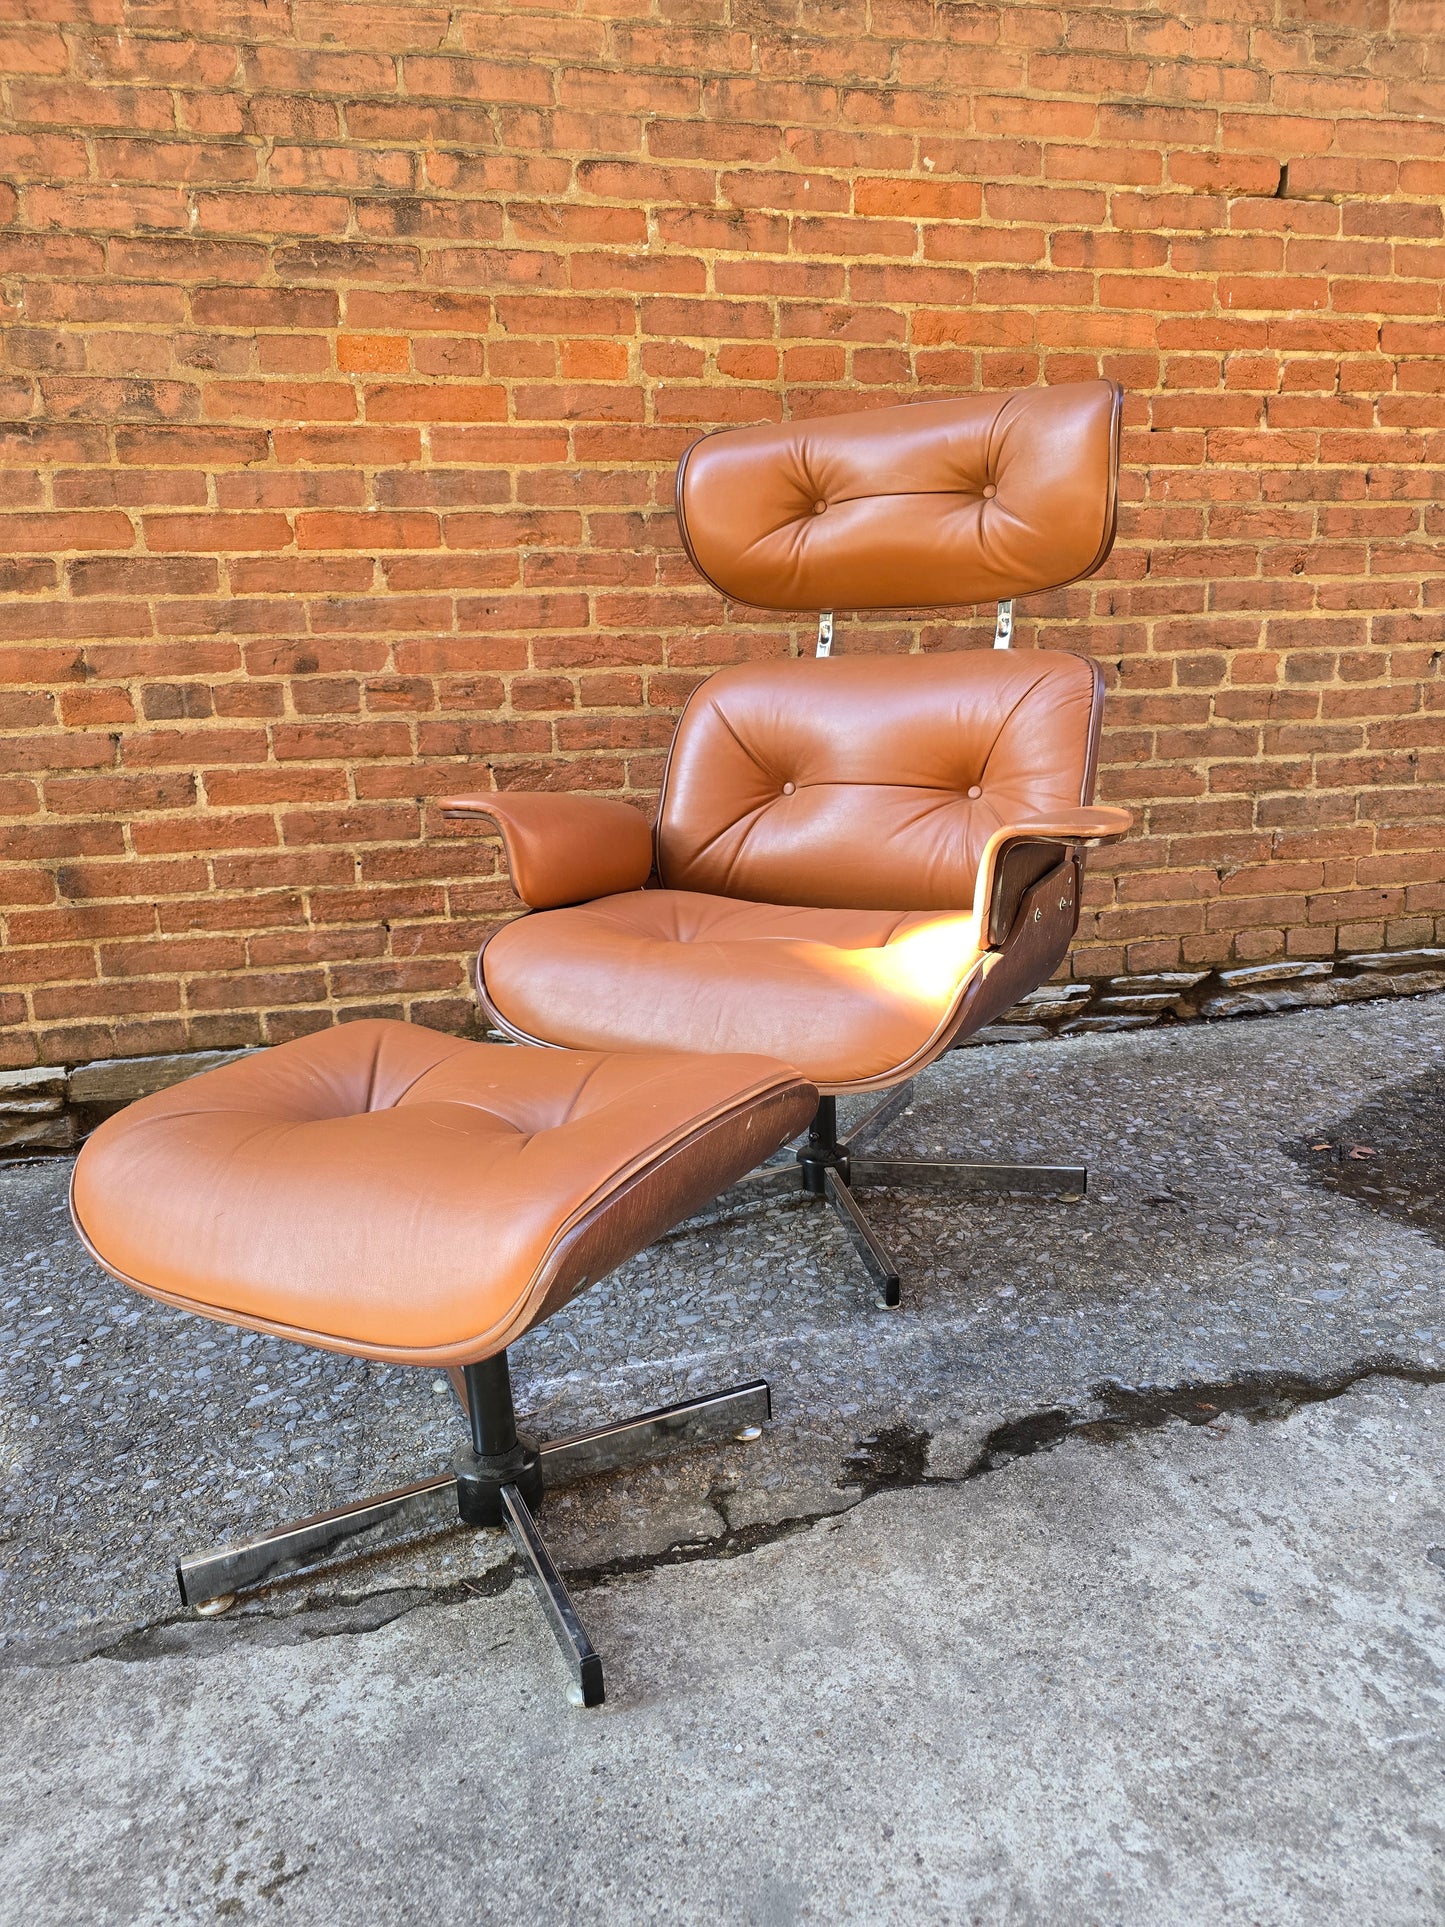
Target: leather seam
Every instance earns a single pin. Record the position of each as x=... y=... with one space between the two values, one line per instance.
x=1039 y=679
x=744 y=824
x=667 y=767
x=637 y=1171
x=1096 y=727
x=680 y=511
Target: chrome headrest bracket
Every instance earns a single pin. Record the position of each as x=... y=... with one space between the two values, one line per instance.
x=825 y=633
x=1004 y=629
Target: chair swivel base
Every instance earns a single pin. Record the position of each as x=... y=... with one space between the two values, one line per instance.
x=833 y=1168
x=496 y=1483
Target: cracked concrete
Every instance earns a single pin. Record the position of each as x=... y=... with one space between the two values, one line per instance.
x=1054 y=1684
x=1190 y=1672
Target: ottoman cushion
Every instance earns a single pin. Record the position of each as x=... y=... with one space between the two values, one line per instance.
x=385 y=1190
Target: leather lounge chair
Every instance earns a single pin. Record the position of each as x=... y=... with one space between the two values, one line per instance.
x=858 y=861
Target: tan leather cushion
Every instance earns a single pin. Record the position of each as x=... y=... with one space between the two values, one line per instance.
x=932 y=503
x=844 y=995
x=385 y=1190
x=850 y=782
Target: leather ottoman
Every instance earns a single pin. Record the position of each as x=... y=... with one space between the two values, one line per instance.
x=387 y=1191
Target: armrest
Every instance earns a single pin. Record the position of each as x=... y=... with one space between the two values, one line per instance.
x=1018 y=854
x=563 y=846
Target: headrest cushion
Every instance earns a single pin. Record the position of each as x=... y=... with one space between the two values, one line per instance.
x=931 y=504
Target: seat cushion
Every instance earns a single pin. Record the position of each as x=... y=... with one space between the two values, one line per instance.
x=847 y=997
x=385 y=1190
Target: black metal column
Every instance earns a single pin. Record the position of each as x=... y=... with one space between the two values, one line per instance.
x=498 y=1457
x=489 y=1406
x=822 y=1153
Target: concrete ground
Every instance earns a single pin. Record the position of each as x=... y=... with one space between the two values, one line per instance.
x=1103 y=1583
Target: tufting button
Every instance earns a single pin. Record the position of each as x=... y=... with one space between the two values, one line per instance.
x=989 y=491
x=788 y=788
x=974 y=793
x=819 y=507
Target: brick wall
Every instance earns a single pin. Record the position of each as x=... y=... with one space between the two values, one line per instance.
x=350 y=347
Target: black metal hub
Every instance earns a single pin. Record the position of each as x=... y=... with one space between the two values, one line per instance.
x=814 y=1167
x=480 y=1480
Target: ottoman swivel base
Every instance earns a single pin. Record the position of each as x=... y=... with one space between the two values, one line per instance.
x=390 y=1193
x=496 y=1483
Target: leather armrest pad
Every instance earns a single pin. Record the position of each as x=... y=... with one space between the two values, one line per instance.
x=562 y=846
x=998 y=878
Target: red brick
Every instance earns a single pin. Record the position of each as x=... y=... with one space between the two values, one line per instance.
x=50 y=533
x=1089 y=74
x=373 y=354
x=74 y=105
x=485 y=80
x=251 y=308
x=280 y=401
x=344 y=586
x=435 y=402
x=216 y=532
x=1052 y=206
x=918 y=199
x=370 y=530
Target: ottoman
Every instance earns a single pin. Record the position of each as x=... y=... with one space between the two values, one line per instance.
x=393 y=1193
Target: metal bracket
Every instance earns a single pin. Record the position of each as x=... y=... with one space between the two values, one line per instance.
x=876 y=1260
x=1004 y=628
x=952 y=1178
x=825 y=633
x=580 y=1655
x=732 y=1414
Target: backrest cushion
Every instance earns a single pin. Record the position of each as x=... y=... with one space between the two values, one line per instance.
x=847 y=782
x=935 y=503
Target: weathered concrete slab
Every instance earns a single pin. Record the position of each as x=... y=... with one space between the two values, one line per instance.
x=111 y=1080
x=1194 y=1674
x=1052 y=1678
x=32 y=1107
